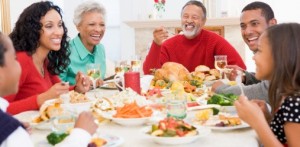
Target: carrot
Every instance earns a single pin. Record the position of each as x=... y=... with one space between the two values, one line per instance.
x=132 y=110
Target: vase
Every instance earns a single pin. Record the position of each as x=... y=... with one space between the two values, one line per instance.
x=156 y=14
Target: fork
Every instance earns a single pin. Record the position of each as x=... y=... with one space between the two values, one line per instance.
x=241 y=88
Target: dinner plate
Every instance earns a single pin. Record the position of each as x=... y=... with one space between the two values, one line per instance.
x=202 y=132
x=211 y=123
x=28 y=116
x=109 y=87
x=73 y=107
x=112 y=141
x=201 y=107
x=228 y=128
x=125 y=121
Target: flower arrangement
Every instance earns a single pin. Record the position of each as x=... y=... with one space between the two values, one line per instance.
x=159 y=5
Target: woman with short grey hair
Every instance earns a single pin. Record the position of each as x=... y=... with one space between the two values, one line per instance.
x=89 y=18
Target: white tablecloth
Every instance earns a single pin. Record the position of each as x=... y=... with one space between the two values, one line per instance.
x=133 y=137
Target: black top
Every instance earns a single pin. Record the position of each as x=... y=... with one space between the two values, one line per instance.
x=289 y=111
x=8 y=125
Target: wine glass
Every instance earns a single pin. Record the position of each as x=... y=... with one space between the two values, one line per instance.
x=119 y=68
x=93 y=72
x=135 y=63
x=220 y=63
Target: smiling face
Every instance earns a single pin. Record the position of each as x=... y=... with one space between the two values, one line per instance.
x=10 y=72
x=91 y=29
x=263 y=59
x=192 y=20
x=52 y=31
x=253 y=24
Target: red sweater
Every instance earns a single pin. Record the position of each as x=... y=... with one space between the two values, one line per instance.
x=192 y=52
x=31 y=84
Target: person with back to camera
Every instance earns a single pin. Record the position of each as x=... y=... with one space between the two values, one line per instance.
x=277 y=60
x=255 y=18
x=13 y=133
x=195 y=47
x=89 y=18
x=40 y=39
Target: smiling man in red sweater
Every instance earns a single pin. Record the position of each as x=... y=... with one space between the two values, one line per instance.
x=195 y=47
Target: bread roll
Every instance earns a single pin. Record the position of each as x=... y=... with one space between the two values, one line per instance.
x=202 y=68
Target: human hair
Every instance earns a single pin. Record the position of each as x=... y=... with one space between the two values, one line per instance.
x=26 y=35
x=3 y=49
x=198 y=4
x=285 y=45
x=87 y=6
x=266 y=10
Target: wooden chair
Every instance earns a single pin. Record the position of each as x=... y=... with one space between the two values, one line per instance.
x=217 y=29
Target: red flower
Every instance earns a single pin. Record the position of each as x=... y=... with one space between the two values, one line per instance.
x=163 y=1
x=156 y=1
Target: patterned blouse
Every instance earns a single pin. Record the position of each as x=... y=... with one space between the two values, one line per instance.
x=289 y=111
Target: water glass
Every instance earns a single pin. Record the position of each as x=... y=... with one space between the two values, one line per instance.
x=176 y=107
x=63 y=123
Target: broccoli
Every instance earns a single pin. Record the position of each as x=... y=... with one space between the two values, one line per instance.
x=223 y=99
x=215 y=100
x=55 y=138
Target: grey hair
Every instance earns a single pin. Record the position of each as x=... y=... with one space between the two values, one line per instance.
x=87 y=6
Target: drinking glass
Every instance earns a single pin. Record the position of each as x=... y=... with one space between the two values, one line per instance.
x=119 y=68
x=63 y=123
x=176 y=106
x=135 y=63
x=220 y=63
x=93 y=72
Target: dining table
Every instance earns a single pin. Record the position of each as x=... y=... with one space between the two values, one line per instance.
x=132 y=136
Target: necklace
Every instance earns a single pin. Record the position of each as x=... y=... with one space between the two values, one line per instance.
x=42 y=70
x=40 y=66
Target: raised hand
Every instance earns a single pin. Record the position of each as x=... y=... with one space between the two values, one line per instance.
x=234 y=72
x=54 y=92
x=82 y=83
x=249 y=111
x=160 y=34
x=263 y=106
x=86 y=121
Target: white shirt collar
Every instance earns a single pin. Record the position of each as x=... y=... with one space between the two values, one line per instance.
x=3 y=104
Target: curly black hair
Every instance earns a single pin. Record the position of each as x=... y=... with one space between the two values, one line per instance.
x=3 y=49
x=26 y=35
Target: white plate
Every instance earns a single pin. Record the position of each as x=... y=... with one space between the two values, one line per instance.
x=28 y=116
x=228 y=109
x=203 y=107
x=214 y=120
x=107 y=86
x=228 y=128
x=112 y=141
x=202 y=131
x=73 y=107
x=126 y=121
x=131 y=121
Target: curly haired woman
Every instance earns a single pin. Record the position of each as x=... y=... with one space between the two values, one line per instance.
x=40 y=39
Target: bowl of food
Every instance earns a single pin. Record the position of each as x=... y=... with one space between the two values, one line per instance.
x=173 y=132
x=130 y=114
